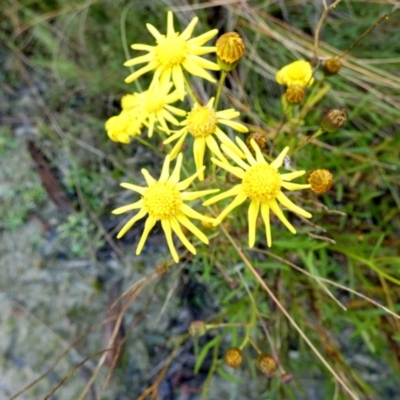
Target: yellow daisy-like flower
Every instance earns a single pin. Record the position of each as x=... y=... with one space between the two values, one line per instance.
x=262 y=184
x=173 y=52
x=297 y=73
x=164 y=201
x=122 y=127
x=202 y=123
x=154 y=105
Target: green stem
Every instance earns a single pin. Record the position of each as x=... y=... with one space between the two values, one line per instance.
x=309 y=139
x=190 y=91
x=222 y=78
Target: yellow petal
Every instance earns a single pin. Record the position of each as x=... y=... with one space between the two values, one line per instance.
x=259 y=155
x=205 y=37
x=235 y=158
x=131 y=222
x=250 y=159
x=239 y=199
x=139 y=60
x=129 y=207
x=265 y=217
x=237 y=126
x=135 y=188
x=295 y=186
x=148 y=178
x=165 y=169
x=291 y=206
x=252 y=216
x=140 y=72
x=292 y=175
x=199 y=147
x=278 y=212
x=213 y=146
x=191 y=227
x=175 y=176
x=187 y=182
x=231 y=192
x=279 y=160
x=233 y=170
x=166 y=225
x=148 y=226
x=195 y=70
x=177 y=229
x=154 y=32
x=189 y=29
x=170 y=24
x=189 y=212
x=187 y=196
x=179 y=80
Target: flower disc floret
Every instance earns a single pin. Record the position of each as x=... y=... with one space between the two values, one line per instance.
x=202 y=121
x=171 y=51
x=262 y=183
x=162 y=200
x=165 y=201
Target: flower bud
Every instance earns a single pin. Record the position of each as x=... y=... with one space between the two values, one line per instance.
x=321 y=180
x=230 y=49
x=208 y=223
x=259 y=138
x=295 y=94
x=233 y=357
x=332 y=66
x=197 y=328
x=266 y=364
x=333 y=120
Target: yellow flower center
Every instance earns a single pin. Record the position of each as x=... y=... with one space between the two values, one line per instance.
x=202 y=121
x=162 y=200
x=262 y=183
x=171 y=51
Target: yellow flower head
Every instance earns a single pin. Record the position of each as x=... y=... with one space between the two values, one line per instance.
x=262 y=184
x=122 y=127
x=153 y=105
x=297 y=73
x=164 y=201
x=173 y=52
x=202 y=123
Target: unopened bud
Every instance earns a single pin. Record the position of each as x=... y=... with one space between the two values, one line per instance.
x=295 y=94
x=209 y=223
x=266 y=364
x=321 y=180
x=230 y=49
x=333 y=120
x=332 y=66
x=197 y=328
x=259 y=138
x=233 y=357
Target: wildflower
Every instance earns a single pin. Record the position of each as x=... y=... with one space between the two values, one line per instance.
x=332 y=66
x=266 y=364
x=164 y=201
x=202 y=123
x=173 y=52
x=262 y=184
x=333 y=120
x=120 y=128
x=297 y=73
x=321 y=180
x=230 y=49
x=233 y=357
x=154 y=105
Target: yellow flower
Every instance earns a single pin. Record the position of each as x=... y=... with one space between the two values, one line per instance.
x=262 y=184
x=173 y=52
x=164 y=201
x=122 y=127
x=297 y=73
x=202 y=122
x=154 y=105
